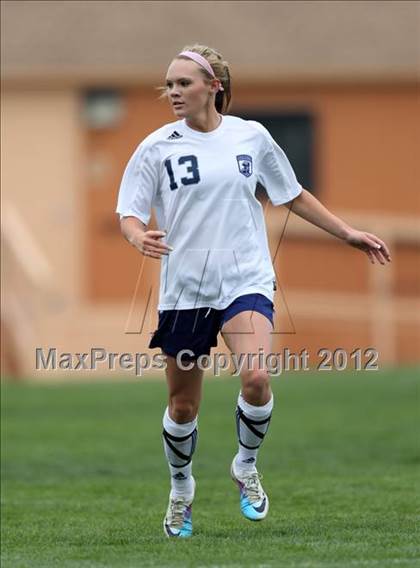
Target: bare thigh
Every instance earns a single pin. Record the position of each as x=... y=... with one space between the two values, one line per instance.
x=184 y=391
x=246 y=333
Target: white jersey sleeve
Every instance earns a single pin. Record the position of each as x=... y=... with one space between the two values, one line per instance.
x=139 y=184
x=275 y=172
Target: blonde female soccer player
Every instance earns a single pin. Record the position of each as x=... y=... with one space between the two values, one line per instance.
x=199 y=173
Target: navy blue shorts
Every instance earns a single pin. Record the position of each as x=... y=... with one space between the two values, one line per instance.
x=197 y=329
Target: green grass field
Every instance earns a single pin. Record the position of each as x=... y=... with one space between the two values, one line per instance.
x=85 y=482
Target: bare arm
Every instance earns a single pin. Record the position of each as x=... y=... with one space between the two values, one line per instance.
x=147 y=242
x=309 y=208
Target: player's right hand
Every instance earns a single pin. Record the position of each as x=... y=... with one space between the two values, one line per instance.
x=149 y=244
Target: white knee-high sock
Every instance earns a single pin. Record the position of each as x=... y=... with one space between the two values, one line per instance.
x=179 y=441
x=251 y=425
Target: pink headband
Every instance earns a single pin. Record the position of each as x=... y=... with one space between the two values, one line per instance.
x=203 y=62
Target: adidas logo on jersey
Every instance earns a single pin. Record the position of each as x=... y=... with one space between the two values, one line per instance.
x=174 y=136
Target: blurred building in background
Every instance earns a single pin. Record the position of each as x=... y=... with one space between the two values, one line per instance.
x=336 y=83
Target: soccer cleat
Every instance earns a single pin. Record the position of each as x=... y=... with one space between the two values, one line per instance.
x=178 y=520
x=253 y=500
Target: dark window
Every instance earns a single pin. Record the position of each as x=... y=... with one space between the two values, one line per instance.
x=294 y=133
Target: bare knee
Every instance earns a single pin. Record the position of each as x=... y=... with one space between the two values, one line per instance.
x=256 y=387
x=182 y=409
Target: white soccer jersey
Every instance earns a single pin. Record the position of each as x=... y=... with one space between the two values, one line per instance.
x=202 y=187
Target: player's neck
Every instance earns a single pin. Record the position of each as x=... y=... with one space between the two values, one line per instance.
x=205 y=122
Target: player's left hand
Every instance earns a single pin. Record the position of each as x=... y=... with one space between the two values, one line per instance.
x=370 y=244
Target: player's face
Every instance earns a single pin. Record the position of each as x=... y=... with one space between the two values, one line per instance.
x=187 y=89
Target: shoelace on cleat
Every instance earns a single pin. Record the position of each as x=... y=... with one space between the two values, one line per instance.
x=176 y=512
x=253 y=487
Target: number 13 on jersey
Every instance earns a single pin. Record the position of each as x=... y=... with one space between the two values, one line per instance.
x=192 y=169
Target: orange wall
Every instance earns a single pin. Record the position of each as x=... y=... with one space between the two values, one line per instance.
x=366 y=142
x=76 y=291
x=365 y=160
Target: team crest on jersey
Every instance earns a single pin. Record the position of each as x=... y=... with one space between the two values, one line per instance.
x=244 y=164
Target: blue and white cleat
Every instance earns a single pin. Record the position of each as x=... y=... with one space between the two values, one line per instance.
x=178 y=520
x=253 y=500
